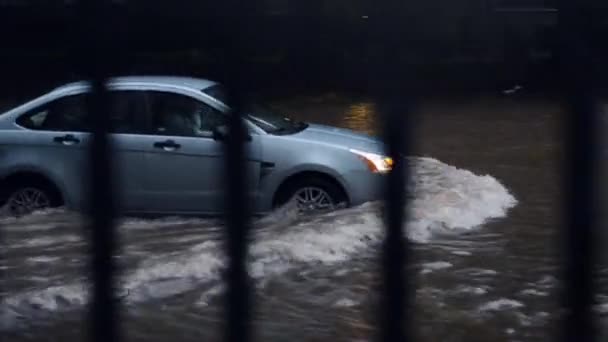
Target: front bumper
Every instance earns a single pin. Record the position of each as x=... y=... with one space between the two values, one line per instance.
x=364 y=186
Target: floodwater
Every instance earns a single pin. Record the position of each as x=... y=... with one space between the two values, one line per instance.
x=483 y=222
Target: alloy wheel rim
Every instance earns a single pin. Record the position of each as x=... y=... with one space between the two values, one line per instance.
x=313 y=199
x=27 y=200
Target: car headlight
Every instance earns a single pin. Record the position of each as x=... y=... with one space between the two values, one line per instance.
x=375 y=162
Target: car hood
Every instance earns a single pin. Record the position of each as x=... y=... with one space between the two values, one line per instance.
x=340 y=137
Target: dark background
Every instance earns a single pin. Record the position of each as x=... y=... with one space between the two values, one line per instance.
x=296 y=45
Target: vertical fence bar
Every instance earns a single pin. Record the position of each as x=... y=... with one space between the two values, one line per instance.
x=238 y=309
x=238 y=297
x=393 y=94
x=94 y=51
x=103 y=245
x=395 y=251
x=581 y=167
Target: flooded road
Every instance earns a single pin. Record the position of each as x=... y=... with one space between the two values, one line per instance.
x=483 y=221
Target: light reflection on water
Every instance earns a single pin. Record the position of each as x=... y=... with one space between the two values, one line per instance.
x=362 y=117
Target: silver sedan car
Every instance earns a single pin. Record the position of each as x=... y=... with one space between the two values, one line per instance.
x=167 y=151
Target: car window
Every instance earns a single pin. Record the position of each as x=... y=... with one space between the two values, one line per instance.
x=69 y=114
x=126 y=112
x=175 y=114
x=218 y=92
x=272 y=121
x=65 y=114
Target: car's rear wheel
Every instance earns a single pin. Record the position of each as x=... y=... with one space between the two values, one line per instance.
x=25 y=199
x=313 y=194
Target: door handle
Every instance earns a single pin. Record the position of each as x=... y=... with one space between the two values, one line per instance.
x=167 y=145
x=67 y=139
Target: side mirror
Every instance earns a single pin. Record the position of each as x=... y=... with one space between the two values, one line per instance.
x=221 y=133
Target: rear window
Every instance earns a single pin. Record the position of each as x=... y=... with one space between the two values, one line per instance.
x=64 y=114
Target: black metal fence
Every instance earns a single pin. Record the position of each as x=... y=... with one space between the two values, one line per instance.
x=101 y=50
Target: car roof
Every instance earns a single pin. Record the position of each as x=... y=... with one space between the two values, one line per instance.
x=197 y=84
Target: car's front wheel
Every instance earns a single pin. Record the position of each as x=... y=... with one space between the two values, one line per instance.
x=312 y=194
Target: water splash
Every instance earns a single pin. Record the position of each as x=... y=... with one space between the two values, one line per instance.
x=445 y=199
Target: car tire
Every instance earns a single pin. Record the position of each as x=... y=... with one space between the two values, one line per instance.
x=312 y=188
x=23 y=199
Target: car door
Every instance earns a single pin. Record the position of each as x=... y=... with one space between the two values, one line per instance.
x=54 y=143
x=185 y=164
x=59 y=146
x=127 y=110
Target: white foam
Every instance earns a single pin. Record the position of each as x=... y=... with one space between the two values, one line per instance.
x=29 y=227
x=477 y=272
x=166 y=277
x=534 y=292
x=500 y=305
x=462 y=253
x=50 y=299
x=165 y=222
x=41 y=220
x=437 y=265
x=345 y=303
x=42 y=259
x=430 y=267
x=543 y=314
x=38 y=279
x=206 y=297
x=601 y=308
x=547 y=282
x=341 y=273
x=313 y=243
x=446 y=198
x=46 y=241
x=524 y=320
x=478 y=291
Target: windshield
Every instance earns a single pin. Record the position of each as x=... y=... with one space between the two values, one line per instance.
x=271 y=121
x=217 y=92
